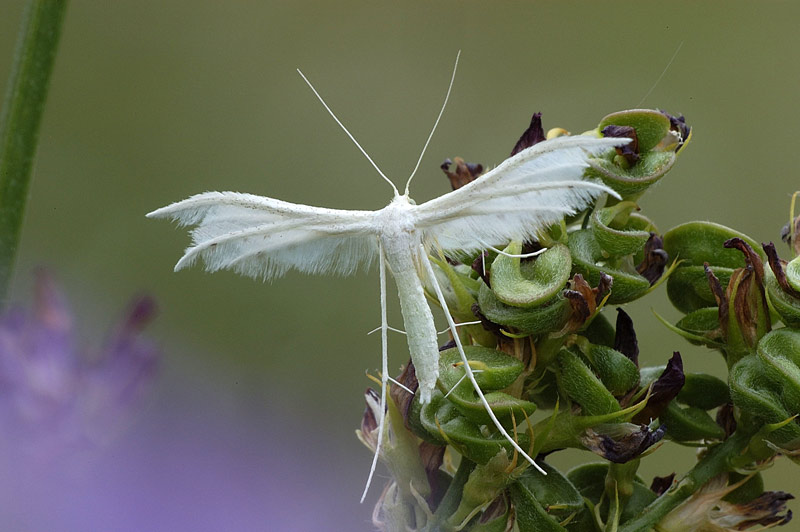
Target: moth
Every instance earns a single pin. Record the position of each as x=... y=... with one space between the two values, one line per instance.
x=264 y=237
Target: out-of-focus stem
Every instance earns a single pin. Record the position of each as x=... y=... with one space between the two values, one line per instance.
x=19 y=123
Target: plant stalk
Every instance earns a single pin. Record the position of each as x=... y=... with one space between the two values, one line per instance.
x=21 y=116
x=717 y=461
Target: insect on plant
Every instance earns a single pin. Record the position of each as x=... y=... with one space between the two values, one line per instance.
x=264 y=237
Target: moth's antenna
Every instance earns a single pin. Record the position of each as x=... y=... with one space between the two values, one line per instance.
x=447 y=97
x=672 y=59
x=325 y=105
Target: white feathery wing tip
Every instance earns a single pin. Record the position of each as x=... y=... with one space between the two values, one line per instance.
x=264 y=237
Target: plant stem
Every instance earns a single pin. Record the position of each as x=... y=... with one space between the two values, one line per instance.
x=717 y=461
x=19 y=123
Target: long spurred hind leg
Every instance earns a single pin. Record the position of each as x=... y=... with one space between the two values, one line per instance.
x=384 y=370
x=467 y=369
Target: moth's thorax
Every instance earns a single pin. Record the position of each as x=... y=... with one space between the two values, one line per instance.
x=396 y=220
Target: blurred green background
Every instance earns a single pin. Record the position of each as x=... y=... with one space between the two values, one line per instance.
x=153 y=101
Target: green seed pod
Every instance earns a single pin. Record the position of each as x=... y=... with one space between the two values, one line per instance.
x=531 y=515
x=702 y=327
x=747 y=491
x=793 y=273
x=589 y=479
x=531 y=283
x=784 y=304
x=781 y=280
x=582 y=386
x=586 y=256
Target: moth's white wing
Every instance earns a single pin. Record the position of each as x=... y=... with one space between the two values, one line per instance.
x=265 y=237
x=518 y=198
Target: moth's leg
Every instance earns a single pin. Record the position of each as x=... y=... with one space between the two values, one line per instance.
x=384 y=370
x=460 y=324
x=467 y=369
x=516 y=256
x=376 y=329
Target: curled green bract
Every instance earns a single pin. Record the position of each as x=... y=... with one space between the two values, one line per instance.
x=784 y=304
x=542 y=502
x=582 y=386
x=530 y=283
x=588 y=259
x=618 y=231
x=616 y=371
x=493 y=371
x=549 y=317
x=767 y=386
x=694 y=244
x=690 y=424
x=656 y=151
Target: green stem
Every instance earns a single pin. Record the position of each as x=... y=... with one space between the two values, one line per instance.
x=19 y=123
x=717 y=461
x=452 y=497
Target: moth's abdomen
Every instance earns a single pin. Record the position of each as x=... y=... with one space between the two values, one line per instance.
x=423 y=346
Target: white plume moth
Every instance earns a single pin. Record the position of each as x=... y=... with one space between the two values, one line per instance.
x=265 y=237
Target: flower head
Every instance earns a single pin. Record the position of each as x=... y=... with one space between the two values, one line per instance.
x=55 y=393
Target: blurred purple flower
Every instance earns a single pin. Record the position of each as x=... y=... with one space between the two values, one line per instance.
x=57 y=395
